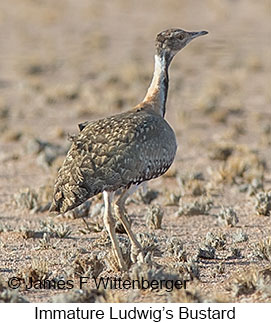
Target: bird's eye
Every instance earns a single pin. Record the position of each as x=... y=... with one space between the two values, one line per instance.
x=181 y=36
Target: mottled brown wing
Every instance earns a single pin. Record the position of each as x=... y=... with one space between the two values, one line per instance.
x=114 y=152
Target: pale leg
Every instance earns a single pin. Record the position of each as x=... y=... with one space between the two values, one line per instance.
x=109 y=223
x=120 y=212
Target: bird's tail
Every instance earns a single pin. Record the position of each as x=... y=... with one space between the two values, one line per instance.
x=70 y=187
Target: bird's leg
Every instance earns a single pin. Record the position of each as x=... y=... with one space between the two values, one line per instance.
x=136 y=249
x=109 y=223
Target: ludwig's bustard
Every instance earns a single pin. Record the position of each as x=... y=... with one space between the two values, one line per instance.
x=124 y=150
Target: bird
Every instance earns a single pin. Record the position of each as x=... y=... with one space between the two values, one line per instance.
x=122 y=151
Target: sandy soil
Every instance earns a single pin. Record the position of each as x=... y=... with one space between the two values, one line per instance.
x=63 y=62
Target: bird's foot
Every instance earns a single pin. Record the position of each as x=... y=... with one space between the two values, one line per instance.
x=119 y=259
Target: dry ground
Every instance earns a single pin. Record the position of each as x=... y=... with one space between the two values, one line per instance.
x=63 y=62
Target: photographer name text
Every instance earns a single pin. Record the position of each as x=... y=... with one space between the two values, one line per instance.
x=116 y=283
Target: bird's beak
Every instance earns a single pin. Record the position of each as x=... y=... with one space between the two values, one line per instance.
x=194 y=34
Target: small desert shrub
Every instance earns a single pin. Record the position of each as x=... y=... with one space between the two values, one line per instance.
x=154 y=217
x=227 y=216
x=263 y=203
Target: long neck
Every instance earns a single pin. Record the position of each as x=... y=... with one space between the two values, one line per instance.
x=157 y=92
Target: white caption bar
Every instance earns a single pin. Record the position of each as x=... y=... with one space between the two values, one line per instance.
x=134 y=312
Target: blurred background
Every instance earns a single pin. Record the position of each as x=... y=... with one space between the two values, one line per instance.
x=64 y=62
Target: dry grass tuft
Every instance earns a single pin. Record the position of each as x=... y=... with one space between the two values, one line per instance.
x=34 y=200
x=219 y=98
x=152 y=271
x=262 y=249
x=192 y=185
x=37 y=67
x=189 y=269
x=154 y=217
x=11 y=135
x=244 y=283
x=9 y=296
x=199 y=207
x=254 y=63
x=266 y=135
x=4 y=109
x=26 y=198
x=217 y=241
x=175 y=248
x=263 y=203
x=250 y=281
x=58 y=230
x=227 y=217
x=37 y=271
x=48 y=154
x=45 y=243
x=212 y=243
x=239 y=236
x=171 y=198
x=62 y=93
x=149 y=243
x=195 y=187
x=240 y=168
x=5 y=227
x=221 y=151
x=94 y=226
x=85 y=265
x=209 y=99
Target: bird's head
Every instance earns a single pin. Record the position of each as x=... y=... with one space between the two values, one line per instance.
x=171 y=41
